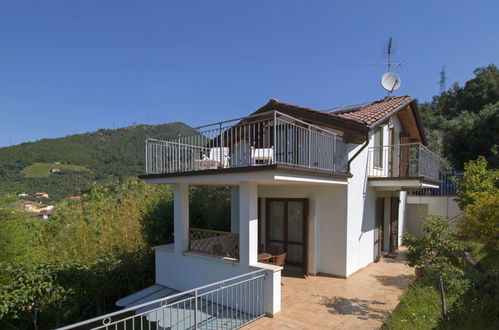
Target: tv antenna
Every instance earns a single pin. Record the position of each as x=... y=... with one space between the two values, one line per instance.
x=390 y=81
x=389 y=53
x=442 y=80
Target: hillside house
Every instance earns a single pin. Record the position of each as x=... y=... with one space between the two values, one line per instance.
x=41 y=195
x=30 y=206
x=326 y=189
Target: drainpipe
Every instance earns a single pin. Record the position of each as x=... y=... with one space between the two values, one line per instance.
x=358 y=152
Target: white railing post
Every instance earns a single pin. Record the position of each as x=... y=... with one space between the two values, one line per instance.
x=221 y=160
x=275 y=138
x=196 y=309
x=147 y=165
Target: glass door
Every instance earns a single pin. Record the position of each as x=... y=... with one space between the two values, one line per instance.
x=287 y=229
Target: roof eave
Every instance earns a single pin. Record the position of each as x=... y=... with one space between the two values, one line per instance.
x=417 y=116
x=343 y=123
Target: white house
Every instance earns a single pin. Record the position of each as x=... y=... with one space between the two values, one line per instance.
x=327 y=187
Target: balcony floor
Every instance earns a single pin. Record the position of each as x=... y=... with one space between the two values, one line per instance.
x=402 y=183
x=363 y=301
x=251 y=173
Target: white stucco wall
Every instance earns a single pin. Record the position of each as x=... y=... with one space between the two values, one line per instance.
x=361 y=213
x=184 y=272
x=402 y=216
x=362 y=206
x=326 y=223
x=421 y=206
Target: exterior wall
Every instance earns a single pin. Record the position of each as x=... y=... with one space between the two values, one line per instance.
x=414 y=213
x=362 y=206
x=326 y=223
x=402 y=216
x=361 y=213
x=187 y=271
x=421 y=206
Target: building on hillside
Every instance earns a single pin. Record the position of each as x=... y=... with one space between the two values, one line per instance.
x=55 y=170
x=315 y=192
x=23 y=194
x=41 y=195
x=30 y=206
x=45 y=213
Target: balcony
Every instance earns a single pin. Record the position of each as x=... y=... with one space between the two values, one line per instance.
x=271 y=138
x=405 y=166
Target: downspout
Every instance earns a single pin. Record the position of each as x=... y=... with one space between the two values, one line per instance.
x=358 y=152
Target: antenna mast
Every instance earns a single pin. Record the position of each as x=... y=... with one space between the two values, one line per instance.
x=389 y=52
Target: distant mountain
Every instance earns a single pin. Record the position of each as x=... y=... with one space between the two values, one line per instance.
x=64 y=166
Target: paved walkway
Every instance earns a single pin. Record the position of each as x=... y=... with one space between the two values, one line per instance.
x=362 y=301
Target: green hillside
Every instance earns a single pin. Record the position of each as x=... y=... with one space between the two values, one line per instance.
x=42 y=170
x=103 y=155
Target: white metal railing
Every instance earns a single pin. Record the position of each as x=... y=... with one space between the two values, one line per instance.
x=269 y=138
x=226 y=304
x=403 y=160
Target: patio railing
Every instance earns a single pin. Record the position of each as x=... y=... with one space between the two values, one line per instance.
x=402 y=161
x=219 y=243
x=227 y=304
x=269 y=138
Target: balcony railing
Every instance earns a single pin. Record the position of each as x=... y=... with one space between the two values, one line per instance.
x=269 y=138
x=219 y=243
x=449 y=185
x=403 y=161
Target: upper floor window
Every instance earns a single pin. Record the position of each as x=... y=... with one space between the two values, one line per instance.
x=378 y=147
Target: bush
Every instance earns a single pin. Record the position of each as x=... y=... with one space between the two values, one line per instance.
x=481 y=218
x=478 y=196
x=436 y=252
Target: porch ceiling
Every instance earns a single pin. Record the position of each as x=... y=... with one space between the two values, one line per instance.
x=271 y=174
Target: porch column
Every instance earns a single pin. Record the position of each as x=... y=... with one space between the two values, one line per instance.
x=234 y=209
x=181 y=217
x=248 y=223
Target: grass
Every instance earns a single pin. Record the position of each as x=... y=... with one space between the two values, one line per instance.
x=42 y=170
x=419 y=308
x=475 y=307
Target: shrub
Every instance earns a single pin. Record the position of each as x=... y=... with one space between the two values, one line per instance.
x=436 y=252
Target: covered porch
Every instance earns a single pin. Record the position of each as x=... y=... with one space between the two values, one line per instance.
x=271 y=211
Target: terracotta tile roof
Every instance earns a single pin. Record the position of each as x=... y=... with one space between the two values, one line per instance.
x=35 y=204
x=372 y=112
x=366 y=114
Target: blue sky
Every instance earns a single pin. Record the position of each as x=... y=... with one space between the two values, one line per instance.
x=69 y=67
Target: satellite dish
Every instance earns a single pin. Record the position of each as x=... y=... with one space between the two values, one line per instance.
x=390 y=81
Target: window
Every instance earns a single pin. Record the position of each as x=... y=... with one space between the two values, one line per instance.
x=378 y=147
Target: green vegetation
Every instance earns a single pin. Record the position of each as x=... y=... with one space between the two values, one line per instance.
x=94 y=251
x=474 y=306
x=436 y=251
x=463 y=122
x=472 y=290
x=478 y=195
x=42 y=170
x=109 y=155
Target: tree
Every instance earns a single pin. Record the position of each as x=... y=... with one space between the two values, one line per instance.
x=472 y=134
x=465 y=120
x=476 y=179
x=478 y=196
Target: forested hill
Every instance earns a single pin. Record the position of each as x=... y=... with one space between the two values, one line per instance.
x=78 y=159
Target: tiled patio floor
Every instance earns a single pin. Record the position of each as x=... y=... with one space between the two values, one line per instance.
x=362 y=301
